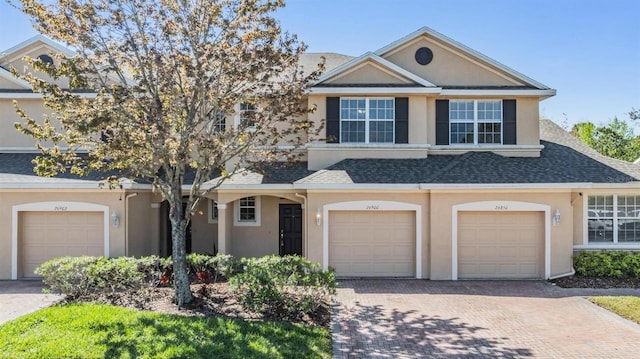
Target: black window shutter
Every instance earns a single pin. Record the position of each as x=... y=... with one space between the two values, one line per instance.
x=333 y=119
x=402 y=120
x=442 y=122
x=509 y=122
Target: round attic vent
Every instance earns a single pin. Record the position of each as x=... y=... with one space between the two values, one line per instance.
x=424 y=55
x=46 y=59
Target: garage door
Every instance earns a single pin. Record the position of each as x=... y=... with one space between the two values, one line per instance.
x=372 y=243
x=500 y=245
x=47 y=235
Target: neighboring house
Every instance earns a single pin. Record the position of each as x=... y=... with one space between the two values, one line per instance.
x=435 y=165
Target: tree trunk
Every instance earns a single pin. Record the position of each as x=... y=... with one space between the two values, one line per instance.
x=181 y=282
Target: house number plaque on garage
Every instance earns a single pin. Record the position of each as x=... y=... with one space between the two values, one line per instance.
x=60 y=208
x=372 y=208
x=501 y=207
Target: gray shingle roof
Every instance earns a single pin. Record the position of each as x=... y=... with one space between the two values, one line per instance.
x=564 y=159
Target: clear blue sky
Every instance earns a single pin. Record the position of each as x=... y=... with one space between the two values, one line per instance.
x=589 y=51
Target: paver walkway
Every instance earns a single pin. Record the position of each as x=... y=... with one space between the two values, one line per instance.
x=18 y=298
x=476 y=319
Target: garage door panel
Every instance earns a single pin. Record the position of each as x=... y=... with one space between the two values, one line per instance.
x=47 y=235
x=372 y=243
x=500 y=245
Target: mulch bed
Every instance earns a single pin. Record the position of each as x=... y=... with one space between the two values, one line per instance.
x=210 y=300
x=577 y=281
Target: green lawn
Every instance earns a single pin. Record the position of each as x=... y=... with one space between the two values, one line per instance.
x=626 y=307
x=102 y=331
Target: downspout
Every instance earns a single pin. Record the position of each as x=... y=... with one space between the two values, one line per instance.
x=573 y=271
x=306 y=224
x=126 y=222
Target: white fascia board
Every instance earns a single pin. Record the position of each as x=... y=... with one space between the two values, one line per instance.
x=19 y=150
x=358 y=186
x=257 y=187
x=374 y=90
x=54 y=45
x=51 y=185
x=36 y=95
x=498 y=92
x=459 y=187
x=7 y=75
x=399 y=70
x=550 y=186
x=369 y=56
x=455 y=44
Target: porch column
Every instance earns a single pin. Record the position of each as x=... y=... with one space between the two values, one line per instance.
x=223 y=240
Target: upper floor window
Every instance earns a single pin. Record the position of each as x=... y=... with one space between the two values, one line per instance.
x=613 y=219
x=367 y=120
x=475 y=122
x=219 y=123
x=247 y=114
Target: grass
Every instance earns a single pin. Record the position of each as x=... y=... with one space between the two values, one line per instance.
x=103 y=331
x=626 y=307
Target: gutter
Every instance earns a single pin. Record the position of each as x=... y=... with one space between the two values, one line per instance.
x=126 y=222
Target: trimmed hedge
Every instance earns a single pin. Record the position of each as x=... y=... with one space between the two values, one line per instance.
x=282 y=287
x=614 y=264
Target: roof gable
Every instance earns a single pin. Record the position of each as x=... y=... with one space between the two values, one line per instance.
x=37 y=43
x=14 y=58
x=371 y=69
x=454 y=64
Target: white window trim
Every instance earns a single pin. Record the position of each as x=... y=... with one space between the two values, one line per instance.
x=367 y=120
x=54 y=206
x=236 y=214
x=211 y=204
x=585 y=225
x=500 y=206
x=475 y=122
x=372 y=206
x=237 y=119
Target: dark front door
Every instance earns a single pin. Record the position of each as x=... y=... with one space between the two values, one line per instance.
x=290 y=229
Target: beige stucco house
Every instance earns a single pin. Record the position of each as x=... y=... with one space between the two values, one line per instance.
x=434 y=163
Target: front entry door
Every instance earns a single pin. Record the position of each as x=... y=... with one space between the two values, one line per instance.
x=290 y=240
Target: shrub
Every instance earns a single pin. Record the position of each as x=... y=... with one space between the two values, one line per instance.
x=67 y=275
x=115 y=274
x=282 y=287
x=615 y=264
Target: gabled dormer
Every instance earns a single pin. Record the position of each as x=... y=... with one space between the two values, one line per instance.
x=421 y=95
x=37 y=47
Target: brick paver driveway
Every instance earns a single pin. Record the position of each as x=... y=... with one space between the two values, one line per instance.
x=20 y=297
x=476 y=319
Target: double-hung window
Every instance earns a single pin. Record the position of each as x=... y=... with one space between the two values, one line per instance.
x=367 y=120
x=247 y=114
x=475 y=122
x=247 y=211
x=613 y=219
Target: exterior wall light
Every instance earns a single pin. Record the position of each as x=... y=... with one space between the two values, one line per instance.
x=556 y=218
x=318 y=217
x=114 y=219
